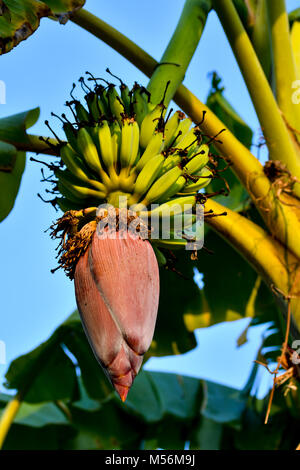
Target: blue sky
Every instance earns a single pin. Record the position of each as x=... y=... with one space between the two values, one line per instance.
x=40 y=72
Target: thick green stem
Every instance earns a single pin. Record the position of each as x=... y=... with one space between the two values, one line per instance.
x=179 y=51
x=116 y=40
x=261 y=39
x=34 y=144
x=284 y=62
x=275 y=131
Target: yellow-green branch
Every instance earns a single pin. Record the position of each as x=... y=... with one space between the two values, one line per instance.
x=176 y=58
x=35 y=145
x=277 y=136
x=284 y=62
x=271 y=260
x=116 y=40
x=260 y=37
x=7 y=417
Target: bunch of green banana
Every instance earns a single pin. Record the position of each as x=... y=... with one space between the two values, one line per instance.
x=122 y=145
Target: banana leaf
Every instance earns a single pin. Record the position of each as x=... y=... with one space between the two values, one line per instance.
x=20 y=18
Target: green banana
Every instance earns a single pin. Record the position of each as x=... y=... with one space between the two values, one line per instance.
x=116 y=136
x=101 y=92
x=182 y=129
x=170 y=162
x=185 y=143
x=93 y=131
x=88 y=150
x=129 y=143
x=94 y=106
x=75 y=188
x=198 y=161
x=188 y=143
x=150 y=123
x=124 y=147
x=81 y=112
x=174 y=189
x=174 y=207
x=76 y=167
x=204 y=175
x=153 y=148
x=71 y=136
x=140 y=105
x=193 y=235
x=67 y=195
x=162 y=185
x=125 y=97
x=170 y=128
x=147 y=176
x=116 y=105
x=107 y=152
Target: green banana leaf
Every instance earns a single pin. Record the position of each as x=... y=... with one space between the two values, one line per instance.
x=56 y=377
x=179 y=296
x=231 y=292
x=20 y=18
x=166 y=411
x=162 y=410
x=13 y=128
x=10 y=183
x=12 y=162
x=41 y=426
x=50 y=371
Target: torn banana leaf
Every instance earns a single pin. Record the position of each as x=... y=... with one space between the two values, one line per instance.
x=12 y=162
x=20 y=18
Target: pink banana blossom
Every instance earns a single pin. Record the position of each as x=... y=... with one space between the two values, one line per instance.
x=117 y=293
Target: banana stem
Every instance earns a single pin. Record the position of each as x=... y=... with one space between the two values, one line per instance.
x=34 y=144
x=271 y=260
x=261 y=38
x=284 y=62
x=179 y=51
x=115 y=39
x=275 y=131
x=8 y=416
